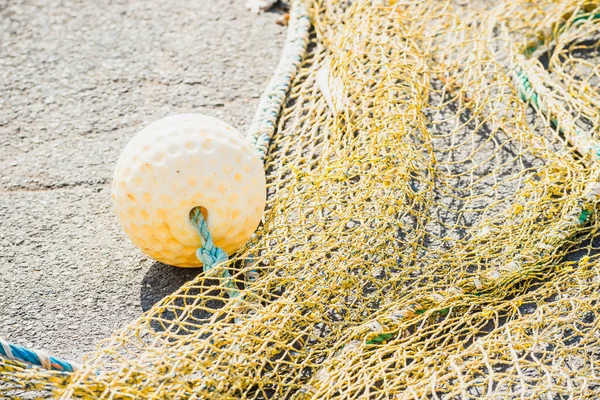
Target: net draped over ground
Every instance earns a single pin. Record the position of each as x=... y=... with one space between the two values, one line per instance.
x=431 y=228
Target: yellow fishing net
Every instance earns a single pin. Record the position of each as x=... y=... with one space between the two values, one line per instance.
x=431 y=229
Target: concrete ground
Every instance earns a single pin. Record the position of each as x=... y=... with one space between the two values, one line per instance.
x=77 y=80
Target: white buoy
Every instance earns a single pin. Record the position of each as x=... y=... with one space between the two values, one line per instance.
x=181 y=162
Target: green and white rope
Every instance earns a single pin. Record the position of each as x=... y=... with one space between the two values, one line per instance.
x=530 y=77
x=531 y=89
x=265 y=120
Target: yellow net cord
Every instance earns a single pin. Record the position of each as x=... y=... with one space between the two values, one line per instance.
x=431 y=229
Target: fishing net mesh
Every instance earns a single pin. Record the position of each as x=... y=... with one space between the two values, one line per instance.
x=431 y=228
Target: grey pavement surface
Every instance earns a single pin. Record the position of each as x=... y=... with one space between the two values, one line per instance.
x=77 y=80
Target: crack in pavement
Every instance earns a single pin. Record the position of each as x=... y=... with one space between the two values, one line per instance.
x=57 y=186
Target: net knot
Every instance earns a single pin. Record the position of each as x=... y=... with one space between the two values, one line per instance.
x=211 y=256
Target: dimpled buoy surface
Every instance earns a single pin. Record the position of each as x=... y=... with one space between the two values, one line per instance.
x=181 y=162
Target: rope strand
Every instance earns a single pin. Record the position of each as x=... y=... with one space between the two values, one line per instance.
x=14 y=352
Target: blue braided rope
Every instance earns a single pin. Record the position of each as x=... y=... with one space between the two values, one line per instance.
x=211 y=255
x=11 y=351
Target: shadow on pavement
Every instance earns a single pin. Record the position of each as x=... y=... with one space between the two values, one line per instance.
x=161 y=280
